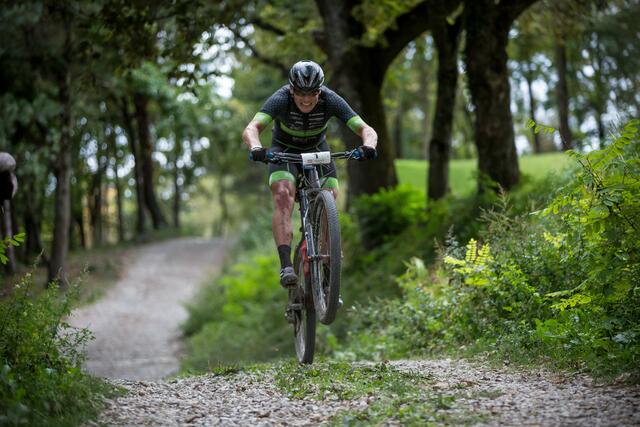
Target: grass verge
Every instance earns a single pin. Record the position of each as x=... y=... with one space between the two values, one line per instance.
x=391 y=395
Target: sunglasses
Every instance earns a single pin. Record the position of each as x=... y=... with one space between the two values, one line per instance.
x=306 y=93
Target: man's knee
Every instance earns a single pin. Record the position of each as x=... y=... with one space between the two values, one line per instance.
x=283 y=194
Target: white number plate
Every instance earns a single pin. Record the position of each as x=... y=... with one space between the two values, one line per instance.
x=320 y=158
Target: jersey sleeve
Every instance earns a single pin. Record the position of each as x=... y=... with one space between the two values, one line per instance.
x=343 y=111
x=273 y=107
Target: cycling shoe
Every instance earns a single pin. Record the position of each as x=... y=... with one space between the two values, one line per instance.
x=288 y=277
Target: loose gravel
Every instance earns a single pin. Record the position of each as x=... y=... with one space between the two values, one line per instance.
x=137 y=344
x=491 y=396
x=242 y=399
x=531 y=397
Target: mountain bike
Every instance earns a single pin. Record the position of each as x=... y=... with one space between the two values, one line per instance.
x=317 y=257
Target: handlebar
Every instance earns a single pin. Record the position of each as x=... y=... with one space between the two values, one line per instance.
x=314 y=158
x=279 y=157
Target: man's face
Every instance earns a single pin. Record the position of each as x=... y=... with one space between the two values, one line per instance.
x=305 y=101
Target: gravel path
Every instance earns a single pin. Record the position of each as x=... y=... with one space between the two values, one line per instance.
x=136 y=323
x=136 y=329
x=531 y=398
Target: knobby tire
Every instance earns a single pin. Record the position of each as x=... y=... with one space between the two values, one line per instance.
x=304 y=324
x=325 y=273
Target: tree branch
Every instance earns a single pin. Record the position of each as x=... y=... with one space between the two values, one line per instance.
x=409 y=26
x=260 y=23
x=284 y=70
x=511 y=9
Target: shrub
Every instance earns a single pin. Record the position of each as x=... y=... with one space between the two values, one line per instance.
x=561 y=284
x=387 y=213
x=41 y=382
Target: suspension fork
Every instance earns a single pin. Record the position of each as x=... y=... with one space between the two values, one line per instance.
x=313 y=184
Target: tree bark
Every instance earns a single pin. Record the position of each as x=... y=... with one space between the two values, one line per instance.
x=32 y=222
x=487 y=24
x=141 y=102
x=177 y=193
x=96 y=202
x=424 y=75
x=118 y=185
x=82 y=232
x=447 y=40
x=562 y=93
x=397 y=126
x=528 y=76
x=137 y=170
x=358 y=72
x=62 y=170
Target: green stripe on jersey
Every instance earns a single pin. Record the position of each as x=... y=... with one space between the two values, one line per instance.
x=302 y=133
x=263 y=118
x=355 y=123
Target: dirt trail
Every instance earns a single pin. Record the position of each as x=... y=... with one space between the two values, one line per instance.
x=136 y=323
x=136 y=329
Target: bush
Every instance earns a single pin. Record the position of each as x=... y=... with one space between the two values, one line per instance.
x=561 y=284
x=387 y=213
x=41 y=382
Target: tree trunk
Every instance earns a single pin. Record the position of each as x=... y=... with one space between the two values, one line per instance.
x=487 y=25
x=397 y=126
x=562 y=93
x=357 y=76
x=7 y=229
x=141 y=102
x=82 y=232
x=33 y=241
x=118 y=185
x=365 y=97
x=424 y=75
x=95 y=204
x=177 y=193
x=447 y=38
x=528 y=75
x=62 y=170
x=137 y=170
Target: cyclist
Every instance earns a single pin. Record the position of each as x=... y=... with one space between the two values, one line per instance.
x=300 y=111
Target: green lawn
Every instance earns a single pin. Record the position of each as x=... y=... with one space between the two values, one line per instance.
x=462 y=172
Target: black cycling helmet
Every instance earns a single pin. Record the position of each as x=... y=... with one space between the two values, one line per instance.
x=306 y=75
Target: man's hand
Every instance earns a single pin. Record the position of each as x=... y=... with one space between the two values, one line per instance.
x=367 y=153
x=258 y=154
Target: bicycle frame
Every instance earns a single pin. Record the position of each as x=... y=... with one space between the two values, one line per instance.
x=310 y=177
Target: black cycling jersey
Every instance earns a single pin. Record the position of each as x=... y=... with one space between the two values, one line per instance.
x=295 y=129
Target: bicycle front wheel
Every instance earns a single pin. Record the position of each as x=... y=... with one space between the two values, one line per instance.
x=304 y=315
x=325 y=271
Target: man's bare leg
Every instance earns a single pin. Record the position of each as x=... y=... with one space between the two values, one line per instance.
x=283 y=193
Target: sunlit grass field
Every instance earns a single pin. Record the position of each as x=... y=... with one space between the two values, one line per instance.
x=462 y=173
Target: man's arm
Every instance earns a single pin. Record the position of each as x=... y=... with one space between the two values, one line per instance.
x=251 y=134
x=368 y=135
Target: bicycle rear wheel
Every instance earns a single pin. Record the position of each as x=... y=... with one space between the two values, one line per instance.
x=304 y=315
x=325 y=271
